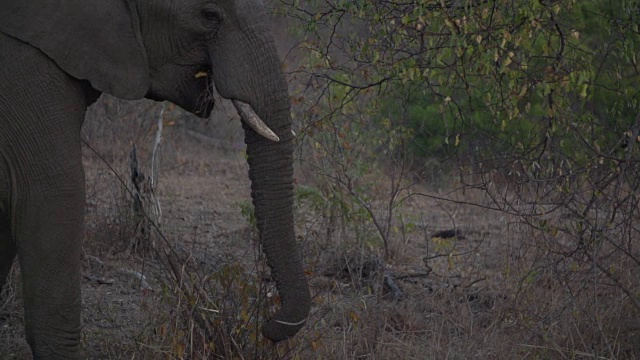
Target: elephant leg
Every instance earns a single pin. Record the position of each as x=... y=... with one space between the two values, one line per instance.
x=49 y=237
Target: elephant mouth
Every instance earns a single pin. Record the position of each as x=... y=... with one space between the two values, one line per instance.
x=246 y=112
x=204 y=103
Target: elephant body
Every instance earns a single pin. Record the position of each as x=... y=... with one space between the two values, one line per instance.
x=56 y=58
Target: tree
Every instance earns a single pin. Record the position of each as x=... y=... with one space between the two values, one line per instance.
x=537 y=103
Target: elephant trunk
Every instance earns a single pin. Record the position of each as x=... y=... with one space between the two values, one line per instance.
x=271 y=174
x=246 y=69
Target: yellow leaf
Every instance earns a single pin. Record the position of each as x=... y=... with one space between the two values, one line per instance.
x=244 y=316
x=353 y=316
x=315 y=345
x=583 y=92
x=523 y=91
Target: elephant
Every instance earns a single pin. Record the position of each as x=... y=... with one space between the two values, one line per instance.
x=56 y=58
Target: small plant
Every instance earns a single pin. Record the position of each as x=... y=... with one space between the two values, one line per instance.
x=248 y=212
x=217 y=315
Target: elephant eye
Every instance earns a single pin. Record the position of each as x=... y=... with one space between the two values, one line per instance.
x=211 y=15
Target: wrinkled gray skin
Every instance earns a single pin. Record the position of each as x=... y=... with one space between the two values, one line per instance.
x=56 y=58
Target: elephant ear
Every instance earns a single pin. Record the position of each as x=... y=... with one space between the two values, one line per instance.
x=94 y=40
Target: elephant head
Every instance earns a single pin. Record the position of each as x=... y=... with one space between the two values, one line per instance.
x=173 y=50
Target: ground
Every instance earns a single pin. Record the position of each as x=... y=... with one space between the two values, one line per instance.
x=455 y=283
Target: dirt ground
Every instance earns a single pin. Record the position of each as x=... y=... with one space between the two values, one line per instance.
x=457 y=284
x=201 y=188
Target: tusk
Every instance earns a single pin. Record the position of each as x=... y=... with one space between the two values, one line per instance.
x=201 y=74
x=253 y=120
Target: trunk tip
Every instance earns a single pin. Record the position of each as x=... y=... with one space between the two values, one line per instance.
x=278 y=330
